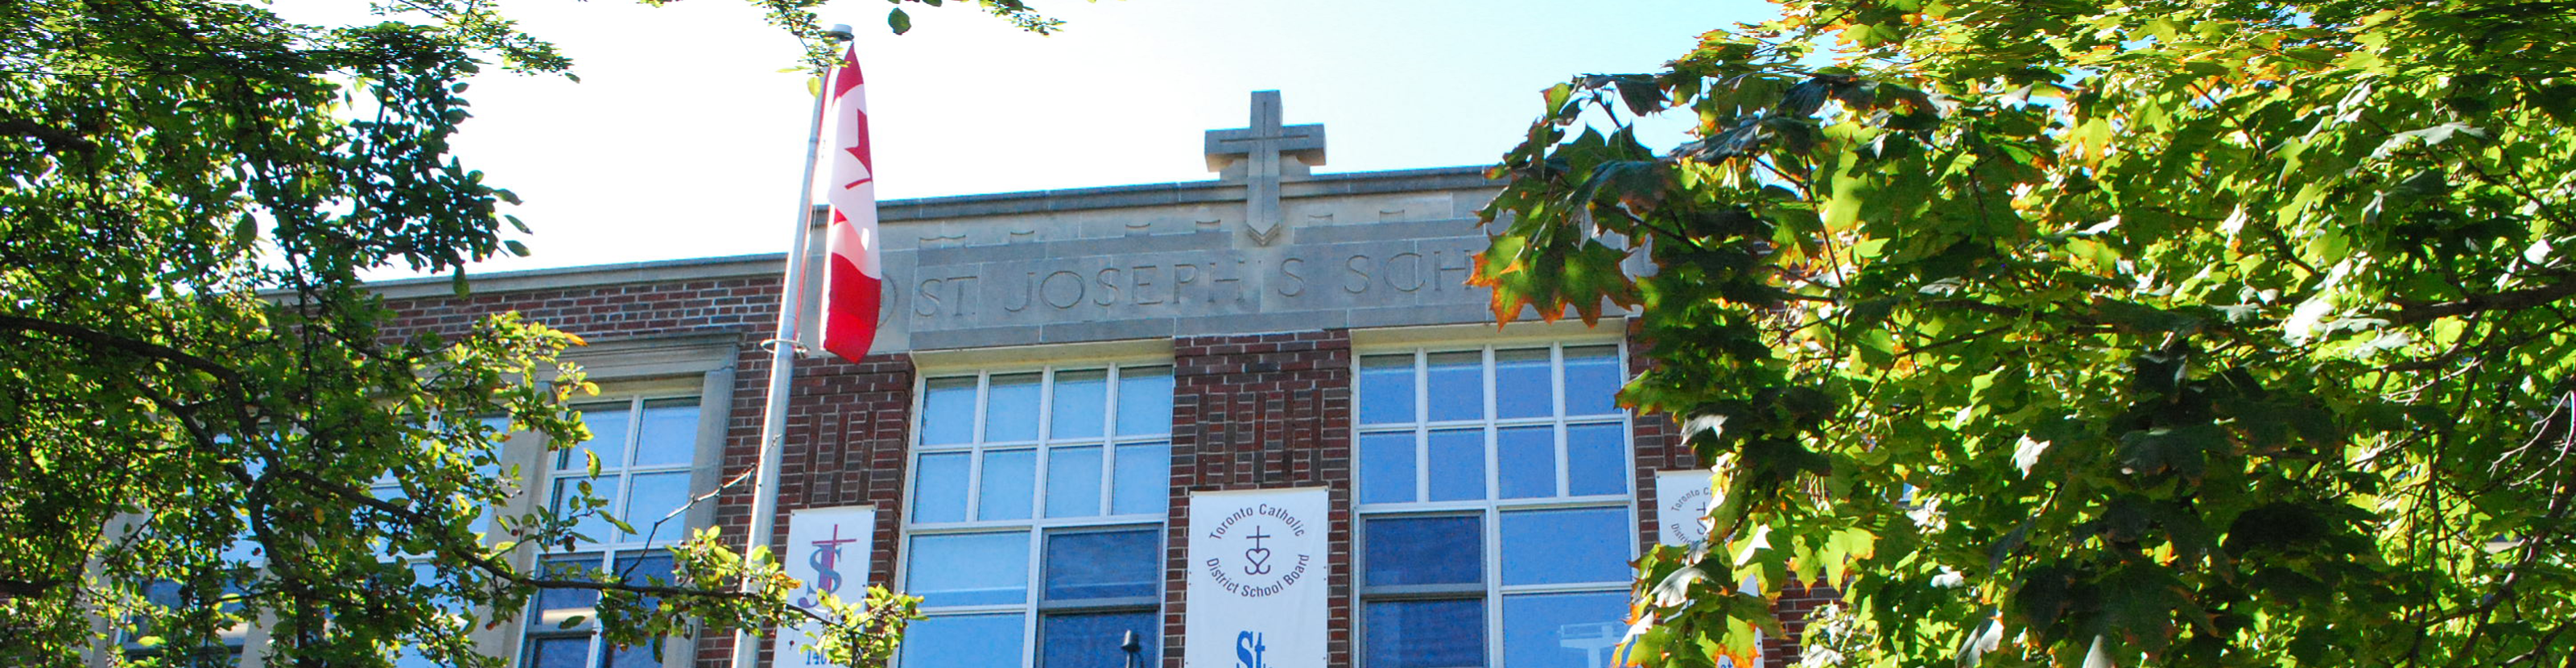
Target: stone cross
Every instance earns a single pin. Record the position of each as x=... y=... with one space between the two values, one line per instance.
x=1253 y=154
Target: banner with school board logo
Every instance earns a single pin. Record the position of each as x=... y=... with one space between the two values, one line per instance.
x=1681 y=507
x=1257 y=579
x=828 y=549
x=1681 y=518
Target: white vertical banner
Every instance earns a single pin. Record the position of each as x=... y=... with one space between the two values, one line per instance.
x=1681 y=507
x=1257 y=579
x=829 y=550
x=1681 y=518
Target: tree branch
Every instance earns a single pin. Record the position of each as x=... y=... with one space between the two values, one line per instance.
x=123 y=344
x=494 y=567
x=57 y=140
x=2408 y=314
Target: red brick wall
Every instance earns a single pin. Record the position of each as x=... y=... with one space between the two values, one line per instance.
x=1793 y=607
x=1261 y=411
x=1658 y=444
x=848 y=427
x=748 y=305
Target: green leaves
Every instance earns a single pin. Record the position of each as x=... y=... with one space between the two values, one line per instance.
x=205 y=420
x=2195 y=338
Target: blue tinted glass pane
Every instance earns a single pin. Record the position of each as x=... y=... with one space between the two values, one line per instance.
x=163 y=593
x=1445 y=549
x=1073 y=482
x=1092 y=640
x=963 y=641
x=1081 y=405
x=409 y=657
x=1457 y=389
x=1521 y=384
x=1592 y=380
x=1425 y=634
x=1386 y=389
x=554 y=606
x=939 y=488
x=1562 y=630
x=1144 y=400
x=607 y=424
x=969 y=569
x=1011 y=408
x=571 y=652
x=1144 y=480
x=948 y=411
x=1526 y=461
x=1555 y=546
x=668 y=433
x=1386 y=468
x=1596 y=459
x=652 y=501
x=569 y=501
x=646 y=568
x=1103 y=564
x=639 y=656
x=1008 y=488
x=1457 y=464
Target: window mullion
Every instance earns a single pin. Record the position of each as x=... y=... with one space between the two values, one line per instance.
x=1493 y=600
x=1109 y=443
x=983 y=399
x=1044 y=471
x=974 y=482
x=1046 y=407
x=1564 y=456
x=1036 y=592
x=634 y=432
x=1421 y=430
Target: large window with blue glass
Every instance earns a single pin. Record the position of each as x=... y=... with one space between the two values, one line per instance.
x=637 y=465
x=1034 y=524
x=1496 y=513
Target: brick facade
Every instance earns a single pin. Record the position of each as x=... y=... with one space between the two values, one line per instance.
x=1261 y=411
x=1251 y=411
x=848 y=427
x=745 y=305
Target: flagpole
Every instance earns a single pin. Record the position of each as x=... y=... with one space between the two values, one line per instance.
x=782 y=363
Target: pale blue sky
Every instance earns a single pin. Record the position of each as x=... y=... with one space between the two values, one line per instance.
x=682 y=139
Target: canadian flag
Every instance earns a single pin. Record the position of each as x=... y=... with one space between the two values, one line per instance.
x=852 y=277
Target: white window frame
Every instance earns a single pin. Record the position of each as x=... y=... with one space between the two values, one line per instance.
x=620 y=545
x=1489 y=510
x=1038 y=527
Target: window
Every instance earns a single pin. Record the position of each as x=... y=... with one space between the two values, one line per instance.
x=224 y=650
x=217 y=585
x=424 y=573
x=644 y=450
x=1496 y=516
x=1035 y=533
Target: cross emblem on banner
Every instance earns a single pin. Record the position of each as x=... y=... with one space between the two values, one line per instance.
x=1253 y=154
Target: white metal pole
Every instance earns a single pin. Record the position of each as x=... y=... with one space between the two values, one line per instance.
x=782 y=368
